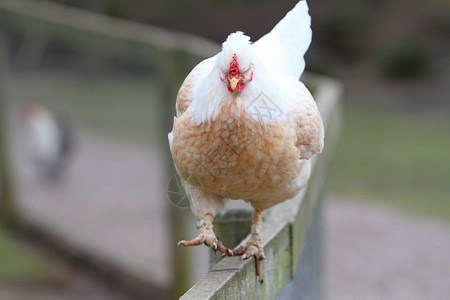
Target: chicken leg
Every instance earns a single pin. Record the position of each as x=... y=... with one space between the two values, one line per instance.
x=207 y=237
x=254 y=246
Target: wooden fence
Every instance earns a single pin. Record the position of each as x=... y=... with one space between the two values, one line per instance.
x=174 y=53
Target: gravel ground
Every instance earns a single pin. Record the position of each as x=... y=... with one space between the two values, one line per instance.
x=375 y=252
x=110 y=204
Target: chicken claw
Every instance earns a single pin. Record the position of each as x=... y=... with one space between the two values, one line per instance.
x=254 y=245
x=209 y=239
x=249 y=250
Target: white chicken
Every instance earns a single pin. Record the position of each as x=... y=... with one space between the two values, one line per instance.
x=246 y=128
x=49 y=140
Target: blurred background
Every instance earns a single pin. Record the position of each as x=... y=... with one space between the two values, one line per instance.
x=84 y=127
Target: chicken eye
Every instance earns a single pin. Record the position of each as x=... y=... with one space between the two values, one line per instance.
x=223 y=76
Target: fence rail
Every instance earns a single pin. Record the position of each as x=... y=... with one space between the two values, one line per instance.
x=76 y=23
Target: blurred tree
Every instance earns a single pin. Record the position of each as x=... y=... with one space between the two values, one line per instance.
x=115 y=8
x=404 y=59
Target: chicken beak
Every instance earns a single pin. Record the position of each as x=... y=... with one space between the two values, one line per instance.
x=233 y=82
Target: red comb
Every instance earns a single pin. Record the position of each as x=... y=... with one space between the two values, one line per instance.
x=234 y=69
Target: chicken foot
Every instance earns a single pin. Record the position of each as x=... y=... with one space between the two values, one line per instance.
x=254 y=246
x=207 y=237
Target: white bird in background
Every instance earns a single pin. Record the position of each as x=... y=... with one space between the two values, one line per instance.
x=50 y=140
x=246 y=128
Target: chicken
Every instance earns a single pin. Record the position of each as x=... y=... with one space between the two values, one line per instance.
x=50 y=140
x=246 y=128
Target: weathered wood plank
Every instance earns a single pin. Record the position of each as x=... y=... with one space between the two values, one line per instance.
x=234 y=278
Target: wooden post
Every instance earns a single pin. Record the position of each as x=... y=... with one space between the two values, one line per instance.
x=231 y=228
x=6 y=191
x=172 y=72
